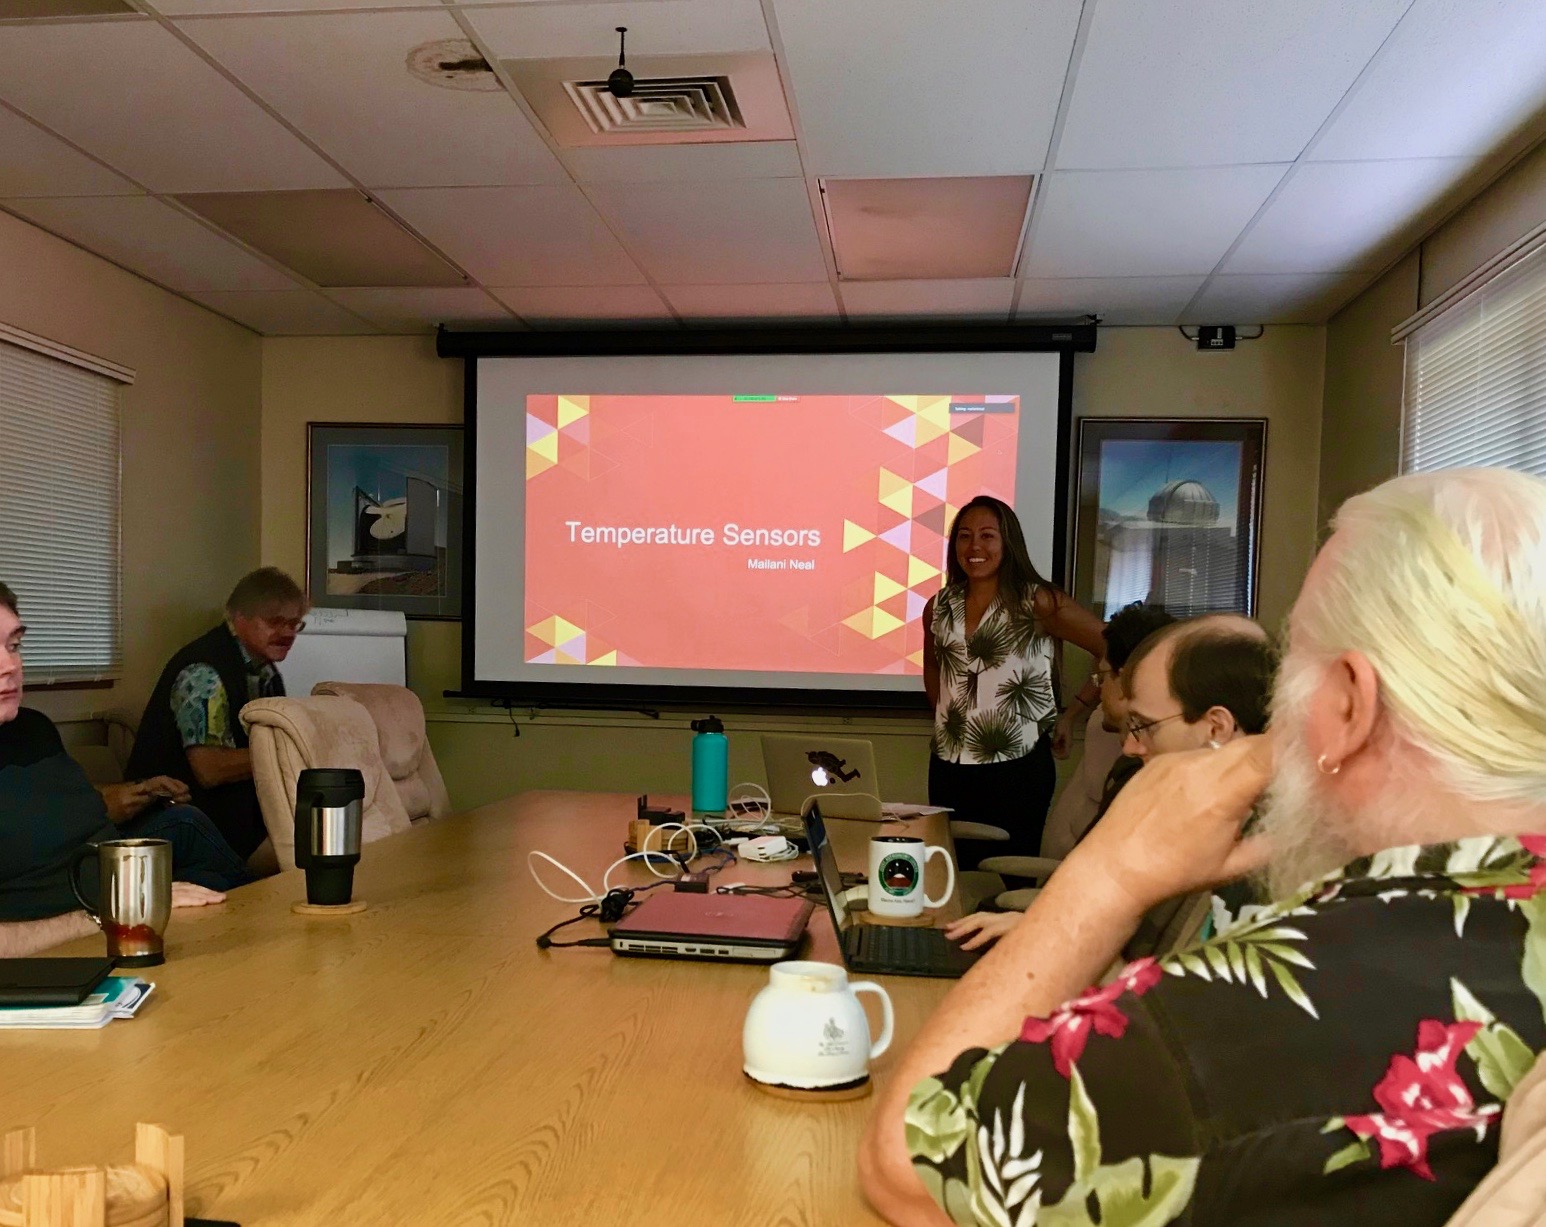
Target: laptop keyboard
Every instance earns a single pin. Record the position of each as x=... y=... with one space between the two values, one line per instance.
x=908 y=950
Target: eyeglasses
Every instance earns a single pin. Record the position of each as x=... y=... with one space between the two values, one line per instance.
x=294 y=625
x=1141 y=728
x=1102 y=673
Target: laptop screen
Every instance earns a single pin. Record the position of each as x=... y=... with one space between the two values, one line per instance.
x=830 y=875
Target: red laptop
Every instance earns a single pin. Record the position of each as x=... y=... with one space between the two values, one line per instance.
x=727 y=928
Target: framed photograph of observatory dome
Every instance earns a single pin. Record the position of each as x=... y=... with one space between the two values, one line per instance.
x=384 y=517
x=1169 y=512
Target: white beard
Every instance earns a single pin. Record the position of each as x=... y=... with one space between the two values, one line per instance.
x=1302 y=822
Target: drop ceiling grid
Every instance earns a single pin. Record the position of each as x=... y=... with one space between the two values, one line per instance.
x=225 y=144
x=1336 y=217
x=656 y=27
x=36 y=163
x=899 y=88
x=1169 y=83
x=1456 y=78
x=342 y=80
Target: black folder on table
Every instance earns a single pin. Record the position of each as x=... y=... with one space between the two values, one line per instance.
x=35 y=982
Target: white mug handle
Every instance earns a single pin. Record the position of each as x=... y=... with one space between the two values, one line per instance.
x=950 y=874
x=887 y=1021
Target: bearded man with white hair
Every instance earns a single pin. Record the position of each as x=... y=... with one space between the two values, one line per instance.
x=1344 y=1055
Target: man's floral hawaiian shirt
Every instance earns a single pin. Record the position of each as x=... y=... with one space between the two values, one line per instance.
x=1341 y=1057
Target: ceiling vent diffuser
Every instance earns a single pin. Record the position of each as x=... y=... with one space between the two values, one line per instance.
x=658 y=104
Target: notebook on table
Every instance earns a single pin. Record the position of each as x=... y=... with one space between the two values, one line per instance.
x=886 y=950
x=727 y=928
x=50 y=981
x=837 y=772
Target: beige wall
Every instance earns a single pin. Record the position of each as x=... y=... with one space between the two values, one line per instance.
x=190 y=442
x=1142 y=371
x=1361 y=432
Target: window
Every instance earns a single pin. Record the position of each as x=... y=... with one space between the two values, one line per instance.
x=1476 y=377
x=59 y=506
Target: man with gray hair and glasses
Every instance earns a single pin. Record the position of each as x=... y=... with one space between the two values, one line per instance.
x=1344 y=1055
x=190 y=729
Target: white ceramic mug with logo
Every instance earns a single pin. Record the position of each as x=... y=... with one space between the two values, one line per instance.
x=897 y=863
x=807 y=1030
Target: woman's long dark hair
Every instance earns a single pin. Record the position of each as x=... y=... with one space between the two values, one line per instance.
x=1017 y=575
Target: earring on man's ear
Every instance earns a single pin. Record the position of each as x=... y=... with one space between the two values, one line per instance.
x=1320 y=765
x=1213 y=743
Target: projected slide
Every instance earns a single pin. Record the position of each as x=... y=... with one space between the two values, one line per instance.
x=753 y=532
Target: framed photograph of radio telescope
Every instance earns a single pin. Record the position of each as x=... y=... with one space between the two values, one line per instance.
x=384 y=517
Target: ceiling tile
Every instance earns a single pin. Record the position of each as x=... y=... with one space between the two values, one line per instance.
x=685 y=163
x=343 y=80
x=1274 y=298
x=1344 y=216
x=285 y=313
x=1214 y=82
x=1117 y=300
x=33 y=163
x=1142 y=222
x=659 y=27
x=915 y=87
x=719 y=233
x=153 y=109
x=582 y=306
x=415 y=310
x=149 y=237
x=173 y=8
x=983 y=298
x=331 y=238
x=518 y=235
x=753 y=303
x=10 y=9
x=1457 y=77
x=907 y=229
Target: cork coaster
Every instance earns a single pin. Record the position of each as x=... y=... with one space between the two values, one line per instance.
x=353 y=908
x=837 y=1094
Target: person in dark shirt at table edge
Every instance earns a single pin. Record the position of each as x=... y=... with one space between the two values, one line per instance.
x=48 y=808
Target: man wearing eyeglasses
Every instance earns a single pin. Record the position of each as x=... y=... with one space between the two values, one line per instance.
x=190 y=729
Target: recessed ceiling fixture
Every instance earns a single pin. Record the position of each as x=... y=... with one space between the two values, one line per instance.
x=453 y=63
x=657 y=104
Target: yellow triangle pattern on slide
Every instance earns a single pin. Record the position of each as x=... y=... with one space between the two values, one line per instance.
x=546 y=447
x=885 y=623
x=854 y=536
x=896 y=493
x=535 y=464
x=885 y=587
x=910 y=403
x=571 y=409
x=935 y=410
x=915 y=658
x=872 y=623
x=918 y=571
x=606 y=658
x=553 y=631
x=960 y=449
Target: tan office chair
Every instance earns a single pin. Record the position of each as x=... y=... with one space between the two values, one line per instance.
x=404 y=743
x=286 y=737
x=1514 y=1192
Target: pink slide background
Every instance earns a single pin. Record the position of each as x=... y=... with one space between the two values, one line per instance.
x=879 y=477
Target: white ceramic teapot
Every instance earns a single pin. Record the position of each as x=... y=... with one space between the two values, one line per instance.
x=807 y=1030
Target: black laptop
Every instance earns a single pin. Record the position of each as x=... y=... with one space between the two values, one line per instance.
x=885 y=950
x=34 y=982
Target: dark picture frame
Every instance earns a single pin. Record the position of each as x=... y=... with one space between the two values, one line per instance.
x=1168 y=510
x=384 y=517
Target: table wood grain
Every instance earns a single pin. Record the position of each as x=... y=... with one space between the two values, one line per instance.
x=425 y=1063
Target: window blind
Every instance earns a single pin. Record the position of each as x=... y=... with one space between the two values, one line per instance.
x=1476 y=378
x=59 y=513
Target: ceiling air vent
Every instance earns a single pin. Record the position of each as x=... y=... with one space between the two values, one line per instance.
x=658 y=104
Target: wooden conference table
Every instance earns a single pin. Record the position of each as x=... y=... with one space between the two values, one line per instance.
x=425 y=1063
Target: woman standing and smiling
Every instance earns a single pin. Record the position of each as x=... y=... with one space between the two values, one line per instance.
x=987 y=669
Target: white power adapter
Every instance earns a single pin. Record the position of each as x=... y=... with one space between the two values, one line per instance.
x=764 y=848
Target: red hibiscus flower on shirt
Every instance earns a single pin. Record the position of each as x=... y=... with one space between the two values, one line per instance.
x=1070 y=1024
x=1421 y=1095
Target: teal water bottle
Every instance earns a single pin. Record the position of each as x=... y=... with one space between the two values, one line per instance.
x=710 y=766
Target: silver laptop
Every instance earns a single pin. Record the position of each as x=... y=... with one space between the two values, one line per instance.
x=839 y=772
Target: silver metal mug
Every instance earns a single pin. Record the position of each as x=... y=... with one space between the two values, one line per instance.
x=134 y=887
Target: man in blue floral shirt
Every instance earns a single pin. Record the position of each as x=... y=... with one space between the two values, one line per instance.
x=1345 y=1054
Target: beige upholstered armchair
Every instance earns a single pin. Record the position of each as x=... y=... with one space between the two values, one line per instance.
x=403 y=741
x=289 y=735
